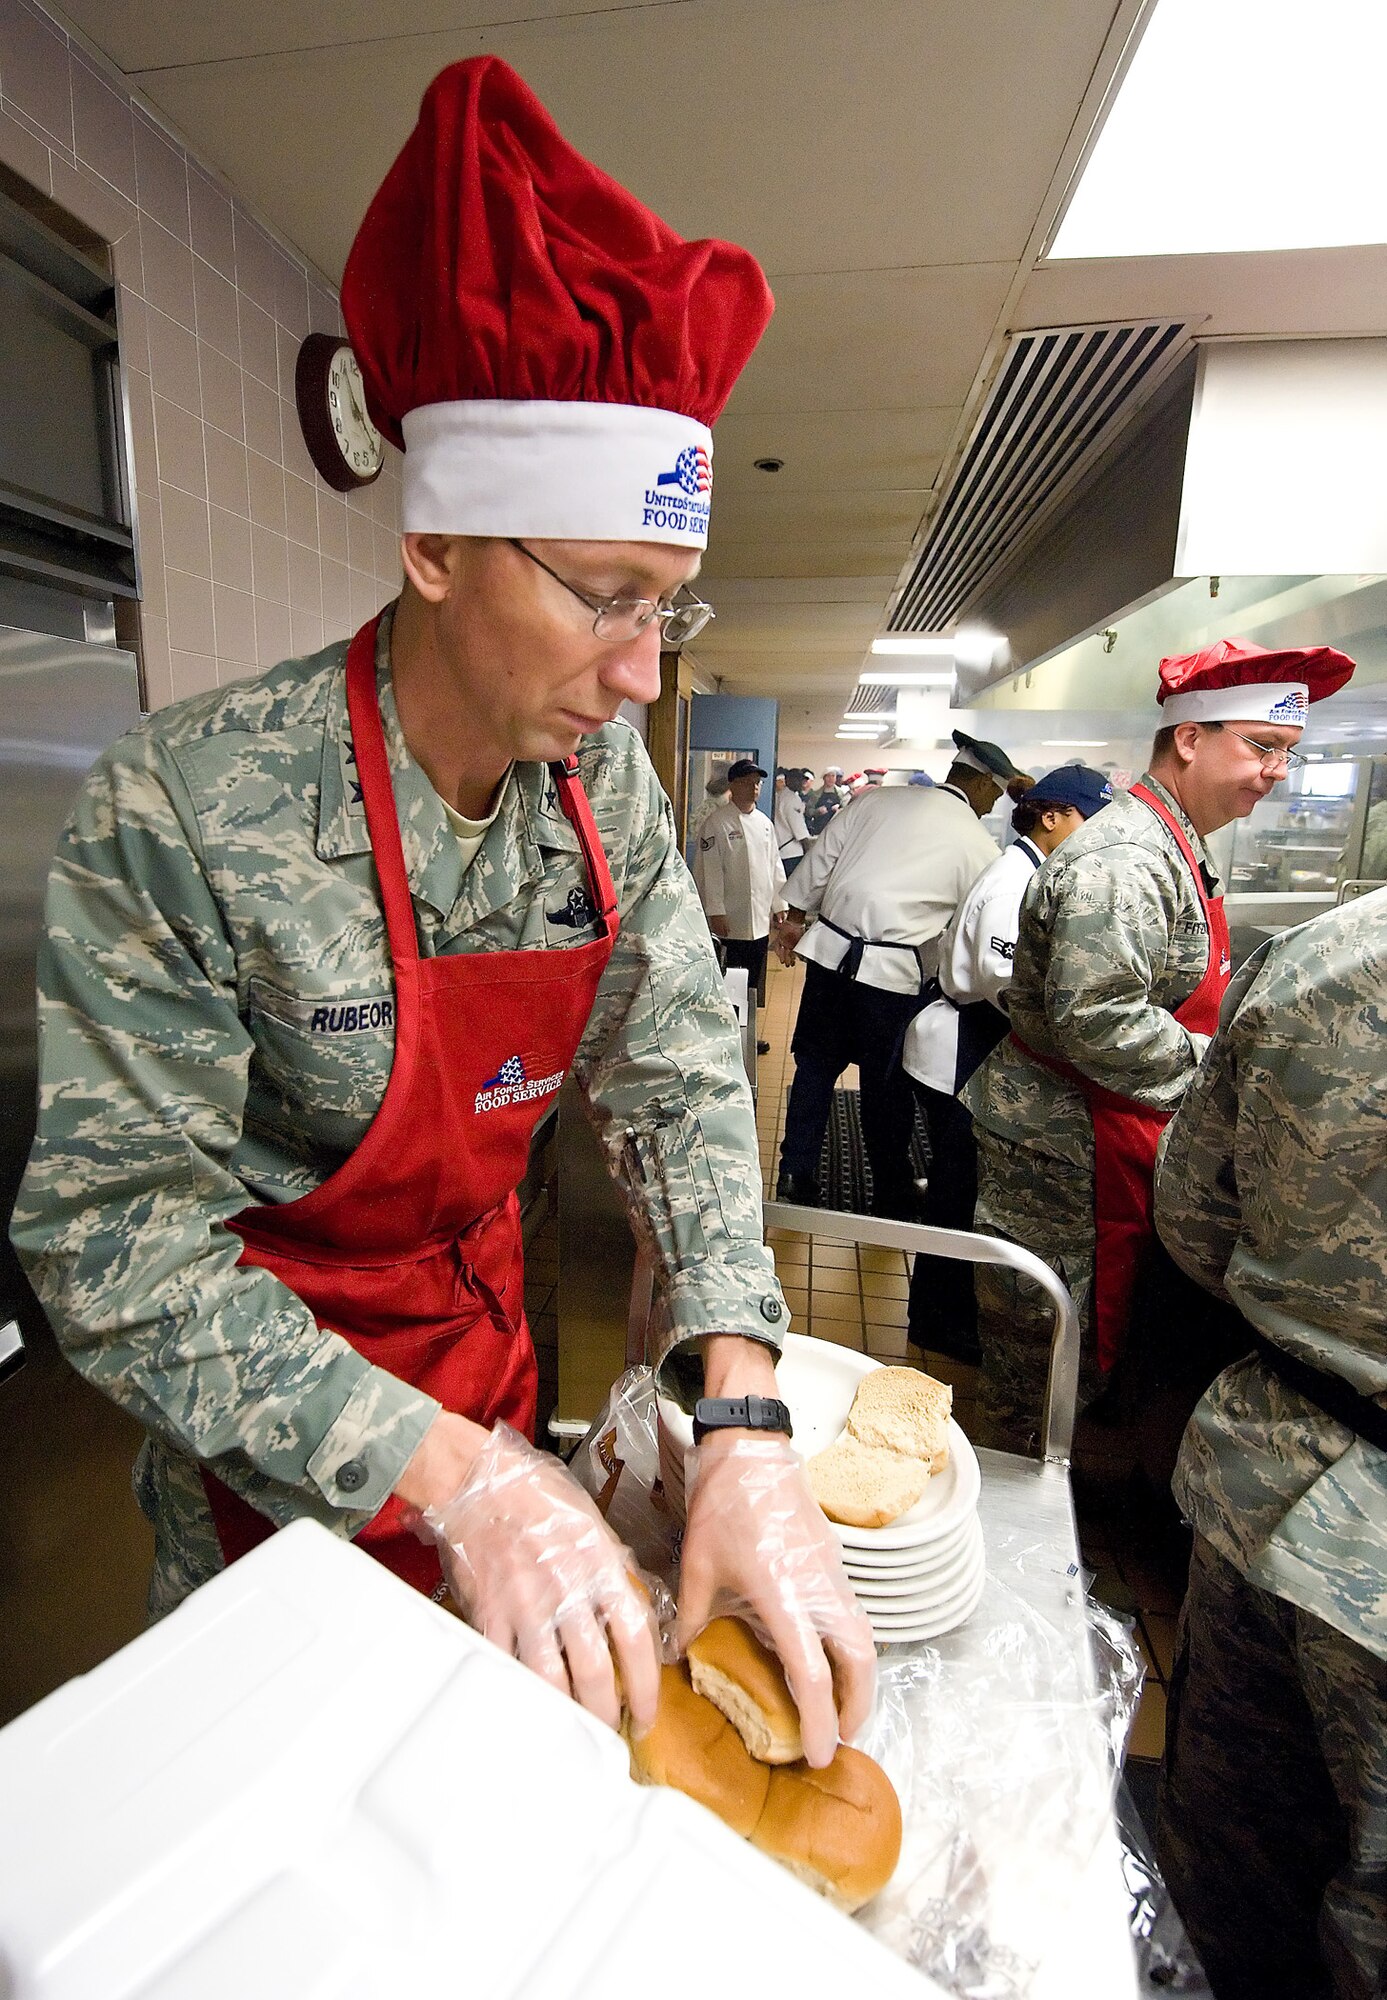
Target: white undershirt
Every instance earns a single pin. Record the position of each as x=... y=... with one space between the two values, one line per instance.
x=470 y=832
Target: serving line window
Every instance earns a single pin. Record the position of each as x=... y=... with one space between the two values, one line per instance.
x=1305 y=838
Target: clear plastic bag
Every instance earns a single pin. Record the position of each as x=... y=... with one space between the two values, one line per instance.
x=618 y=1463
x=1003 y=1740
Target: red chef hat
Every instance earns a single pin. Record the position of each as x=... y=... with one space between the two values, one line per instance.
x=547 y=351
x=1235 y=681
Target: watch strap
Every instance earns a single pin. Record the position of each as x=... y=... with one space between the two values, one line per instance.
x=742 y=1413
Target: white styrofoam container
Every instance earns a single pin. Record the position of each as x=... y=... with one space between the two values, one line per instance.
x=311 y=1784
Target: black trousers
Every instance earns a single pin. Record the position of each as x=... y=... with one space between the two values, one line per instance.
x=751 y=953
x=1273 y=1814
x=943 y=1310
x=842 y=1021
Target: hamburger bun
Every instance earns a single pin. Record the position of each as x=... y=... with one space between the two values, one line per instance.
x=694 y=1748
x=863 y=1486
x=838 y=1830
x=900 y=1409
x=744 y=1679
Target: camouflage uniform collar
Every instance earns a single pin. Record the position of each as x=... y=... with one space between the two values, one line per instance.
x=529 y=821
x=1196 y=840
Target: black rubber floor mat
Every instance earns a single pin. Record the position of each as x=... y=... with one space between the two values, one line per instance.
x=845 y=1178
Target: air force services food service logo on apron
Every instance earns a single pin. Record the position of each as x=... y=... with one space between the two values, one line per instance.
x=510 y=1085
x=687 y=506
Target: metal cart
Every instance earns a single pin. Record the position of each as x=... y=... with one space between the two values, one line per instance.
x=1024 y=1502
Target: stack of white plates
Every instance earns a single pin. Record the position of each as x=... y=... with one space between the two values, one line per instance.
x=916 y=1579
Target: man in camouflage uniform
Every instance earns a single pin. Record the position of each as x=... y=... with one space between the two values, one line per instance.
x=217 y=1011
x=1271 y=1193
x=1113 y=940
x=220 y=987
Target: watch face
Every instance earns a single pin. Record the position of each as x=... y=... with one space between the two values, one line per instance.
x=358 y=440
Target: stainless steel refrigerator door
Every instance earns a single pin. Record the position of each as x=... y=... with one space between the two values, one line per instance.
x=61 y=703
x=74 y=1548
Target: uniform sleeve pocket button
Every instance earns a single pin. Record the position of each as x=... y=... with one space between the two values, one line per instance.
x=352 y=1476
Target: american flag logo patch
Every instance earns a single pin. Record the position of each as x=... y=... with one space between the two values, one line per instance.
x=511 y=1071
x=693 y=471
x=510 y=1085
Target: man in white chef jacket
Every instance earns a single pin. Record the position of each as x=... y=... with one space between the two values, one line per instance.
x=960 y=1027
x=739 y=875
x=883 y=880
x=791 y=832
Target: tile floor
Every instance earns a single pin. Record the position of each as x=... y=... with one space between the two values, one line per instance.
x=857 y=1295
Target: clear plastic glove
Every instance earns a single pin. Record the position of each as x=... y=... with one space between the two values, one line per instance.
x=534 y=1568
x=757 y=1543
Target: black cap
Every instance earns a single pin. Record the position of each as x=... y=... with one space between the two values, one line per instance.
x=745 y=767
x=988 y=757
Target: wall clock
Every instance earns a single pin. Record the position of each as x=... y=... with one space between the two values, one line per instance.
x=330 y=395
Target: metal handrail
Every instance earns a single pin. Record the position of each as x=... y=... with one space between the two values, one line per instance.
x=968 y=1247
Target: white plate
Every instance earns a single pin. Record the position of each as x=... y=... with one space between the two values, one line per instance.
x=920 y=1576
x=908 y=1610
x=890 y=1592
x=818 y=1380
x=947 y=1502
x=896 y=1563
x=930 y=1625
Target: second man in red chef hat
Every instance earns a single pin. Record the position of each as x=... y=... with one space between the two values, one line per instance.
x=1121 y=963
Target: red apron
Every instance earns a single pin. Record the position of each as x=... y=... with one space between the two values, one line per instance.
x=1126 y=1134
x=412 y=1249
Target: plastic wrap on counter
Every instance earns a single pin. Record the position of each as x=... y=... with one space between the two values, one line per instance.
x=1004 y=1743
x=1004 y=1740
x=1166 y=1960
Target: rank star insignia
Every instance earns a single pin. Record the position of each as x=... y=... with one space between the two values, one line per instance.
x=576 y=914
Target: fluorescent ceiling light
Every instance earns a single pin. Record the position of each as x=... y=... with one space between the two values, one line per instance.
x=1207 y=146
x=917 y=645
x=1074 y=743
x=905 y=677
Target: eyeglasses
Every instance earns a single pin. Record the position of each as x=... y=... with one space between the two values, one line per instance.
x=618 y=618
x=1268 y=752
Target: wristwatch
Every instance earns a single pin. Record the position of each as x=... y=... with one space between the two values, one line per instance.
x=740 y=1413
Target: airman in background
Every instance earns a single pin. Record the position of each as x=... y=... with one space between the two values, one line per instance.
x=1271 y=1193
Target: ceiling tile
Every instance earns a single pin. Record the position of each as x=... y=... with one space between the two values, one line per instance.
x=873 y=341
x=843 y=449
x=947 y=118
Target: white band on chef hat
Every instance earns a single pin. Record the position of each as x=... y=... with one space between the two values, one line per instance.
x=972 y=762
x=1270 y=701
x=588 y=472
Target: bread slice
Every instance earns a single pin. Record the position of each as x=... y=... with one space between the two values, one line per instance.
x=838 y=1830
x=744 y=1679
x=694 y=1748
x=863 y=1487
x=899 y=1409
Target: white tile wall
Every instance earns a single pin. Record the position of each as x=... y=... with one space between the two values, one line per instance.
x=246 y=555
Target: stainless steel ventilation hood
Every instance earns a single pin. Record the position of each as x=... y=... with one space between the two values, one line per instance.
x=1247 y=459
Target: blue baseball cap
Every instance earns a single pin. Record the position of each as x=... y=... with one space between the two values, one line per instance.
x=1077 y=785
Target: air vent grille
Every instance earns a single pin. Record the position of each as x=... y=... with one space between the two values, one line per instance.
x=1060 y=396
x=872 y=701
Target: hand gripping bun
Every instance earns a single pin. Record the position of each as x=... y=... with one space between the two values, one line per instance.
x=744 y=1679
x=838 y=1830
x=695 y=1749
x=899 y=1409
